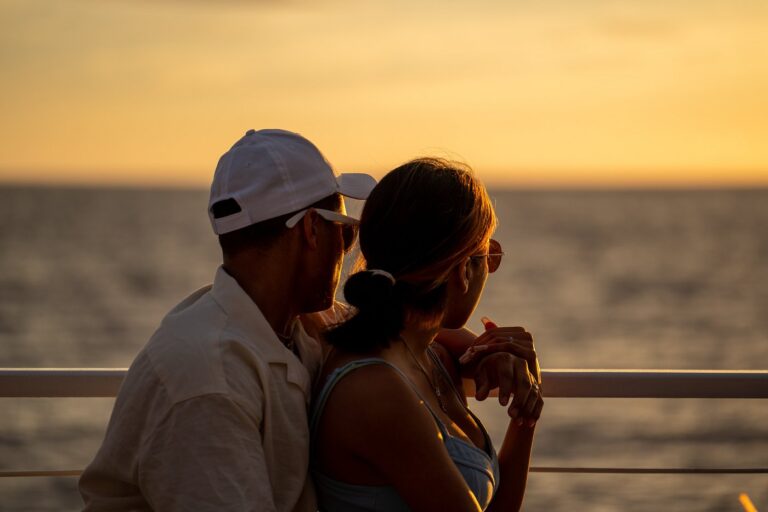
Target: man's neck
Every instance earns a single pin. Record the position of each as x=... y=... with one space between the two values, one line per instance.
x=271 y=286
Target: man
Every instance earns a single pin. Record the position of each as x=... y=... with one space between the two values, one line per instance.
x=213 y=412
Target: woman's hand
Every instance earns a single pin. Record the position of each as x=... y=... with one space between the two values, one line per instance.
x=515 y=340
x=510 y=374
x=505 y=357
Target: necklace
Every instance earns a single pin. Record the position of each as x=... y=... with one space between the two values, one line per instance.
x=435 y=387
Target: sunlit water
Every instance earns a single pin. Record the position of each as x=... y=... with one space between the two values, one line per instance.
x=603 y=279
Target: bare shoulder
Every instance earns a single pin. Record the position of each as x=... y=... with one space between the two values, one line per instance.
x=382 y=431
x=376 y=386
x=380 y=403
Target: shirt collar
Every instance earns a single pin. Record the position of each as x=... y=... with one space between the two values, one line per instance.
x=245 y=316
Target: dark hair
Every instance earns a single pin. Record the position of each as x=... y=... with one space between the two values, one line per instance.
x=264 y=234
x=421 y=220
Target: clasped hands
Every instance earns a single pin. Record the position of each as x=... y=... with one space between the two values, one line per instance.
x=505 y=357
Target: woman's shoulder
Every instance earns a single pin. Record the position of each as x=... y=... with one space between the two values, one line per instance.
x=352 y=376
x=376 y=419
x=372 y=387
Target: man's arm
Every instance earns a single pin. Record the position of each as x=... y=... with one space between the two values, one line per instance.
x=206 y=455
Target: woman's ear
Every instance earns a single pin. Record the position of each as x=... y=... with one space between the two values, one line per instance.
x=309 y=228
x=463 y=274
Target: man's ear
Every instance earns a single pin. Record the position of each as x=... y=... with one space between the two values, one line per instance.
x=309 y=228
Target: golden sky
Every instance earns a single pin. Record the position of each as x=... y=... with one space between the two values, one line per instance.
x=552 y=92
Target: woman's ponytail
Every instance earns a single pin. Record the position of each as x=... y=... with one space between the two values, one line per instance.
x=379 y=313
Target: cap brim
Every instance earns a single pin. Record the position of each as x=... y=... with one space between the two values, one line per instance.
x=355 y=185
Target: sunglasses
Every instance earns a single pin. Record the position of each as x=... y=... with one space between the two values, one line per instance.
x=348 y=224
x=494 y=255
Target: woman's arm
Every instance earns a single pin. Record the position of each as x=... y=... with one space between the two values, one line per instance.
x=455 y=341
x=514 y=461
x=515 y=452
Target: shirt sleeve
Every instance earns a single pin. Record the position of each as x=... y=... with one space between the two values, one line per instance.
x=206 y=455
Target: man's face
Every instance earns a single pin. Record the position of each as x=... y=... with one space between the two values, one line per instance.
x=334 y=239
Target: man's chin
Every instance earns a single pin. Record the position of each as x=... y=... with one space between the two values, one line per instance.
x=325 y=298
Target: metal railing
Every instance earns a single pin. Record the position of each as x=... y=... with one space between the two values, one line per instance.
x=750 y=384
x=105 y=382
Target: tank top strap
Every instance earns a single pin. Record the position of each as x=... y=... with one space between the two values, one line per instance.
x=342 y=371
x=437 y=362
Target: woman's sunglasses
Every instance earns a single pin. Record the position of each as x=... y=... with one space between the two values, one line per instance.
x=494 y=255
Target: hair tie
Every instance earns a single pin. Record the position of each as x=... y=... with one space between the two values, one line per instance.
x=379 y=272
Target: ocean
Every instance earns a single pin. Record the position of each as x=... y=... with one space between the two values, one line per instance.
x=603 y=279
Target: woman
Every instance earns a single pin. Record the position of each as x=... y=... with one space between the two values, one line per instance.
x=390 y=431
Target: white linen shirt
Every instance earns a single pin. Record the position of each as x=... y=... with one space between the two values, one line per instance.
x=211 y=416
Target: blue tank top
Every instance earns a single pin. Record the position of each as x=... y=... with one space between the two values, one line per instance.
x=479 y=469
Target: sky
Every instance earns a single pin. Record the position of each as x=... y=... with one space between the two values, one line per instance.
x=546 y=93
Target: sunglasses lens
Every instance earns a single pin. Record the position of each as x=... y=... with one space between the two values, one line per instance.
x=493 y=263
x=494 y=258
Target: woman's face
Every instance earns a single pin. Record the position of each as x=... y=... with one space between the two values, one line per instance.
x=465 y=288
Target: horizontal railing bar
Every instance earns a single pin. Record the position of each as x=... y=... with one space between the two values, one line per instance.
x=653 y=471
x=60 y=382
x=655 y=383
x=27 y=474
x=105 y=382
x=535 y=469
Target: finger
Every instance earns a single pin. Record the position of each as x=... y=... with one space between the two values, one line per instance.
x=536 y=370
x=488 y=323
x=482 y=385
x=514 y=331
x=520 y=349
x=522 y=390
x=503 y=334
x=472 y=353
x=530 y=404
x=536 y=413
x=505 y=330
x=506 y=385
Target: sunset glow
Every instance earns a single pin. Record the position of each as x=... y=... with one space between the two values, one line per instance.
x=550 y=93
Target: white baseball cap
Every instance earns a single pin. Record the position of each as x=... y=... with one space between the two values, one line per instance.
x=270 y=173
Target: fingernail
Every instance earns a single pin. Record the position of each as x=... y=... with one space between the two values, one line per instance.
x=532 y=423
x=488 y=323
x=504 y=400
x=519 y=422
